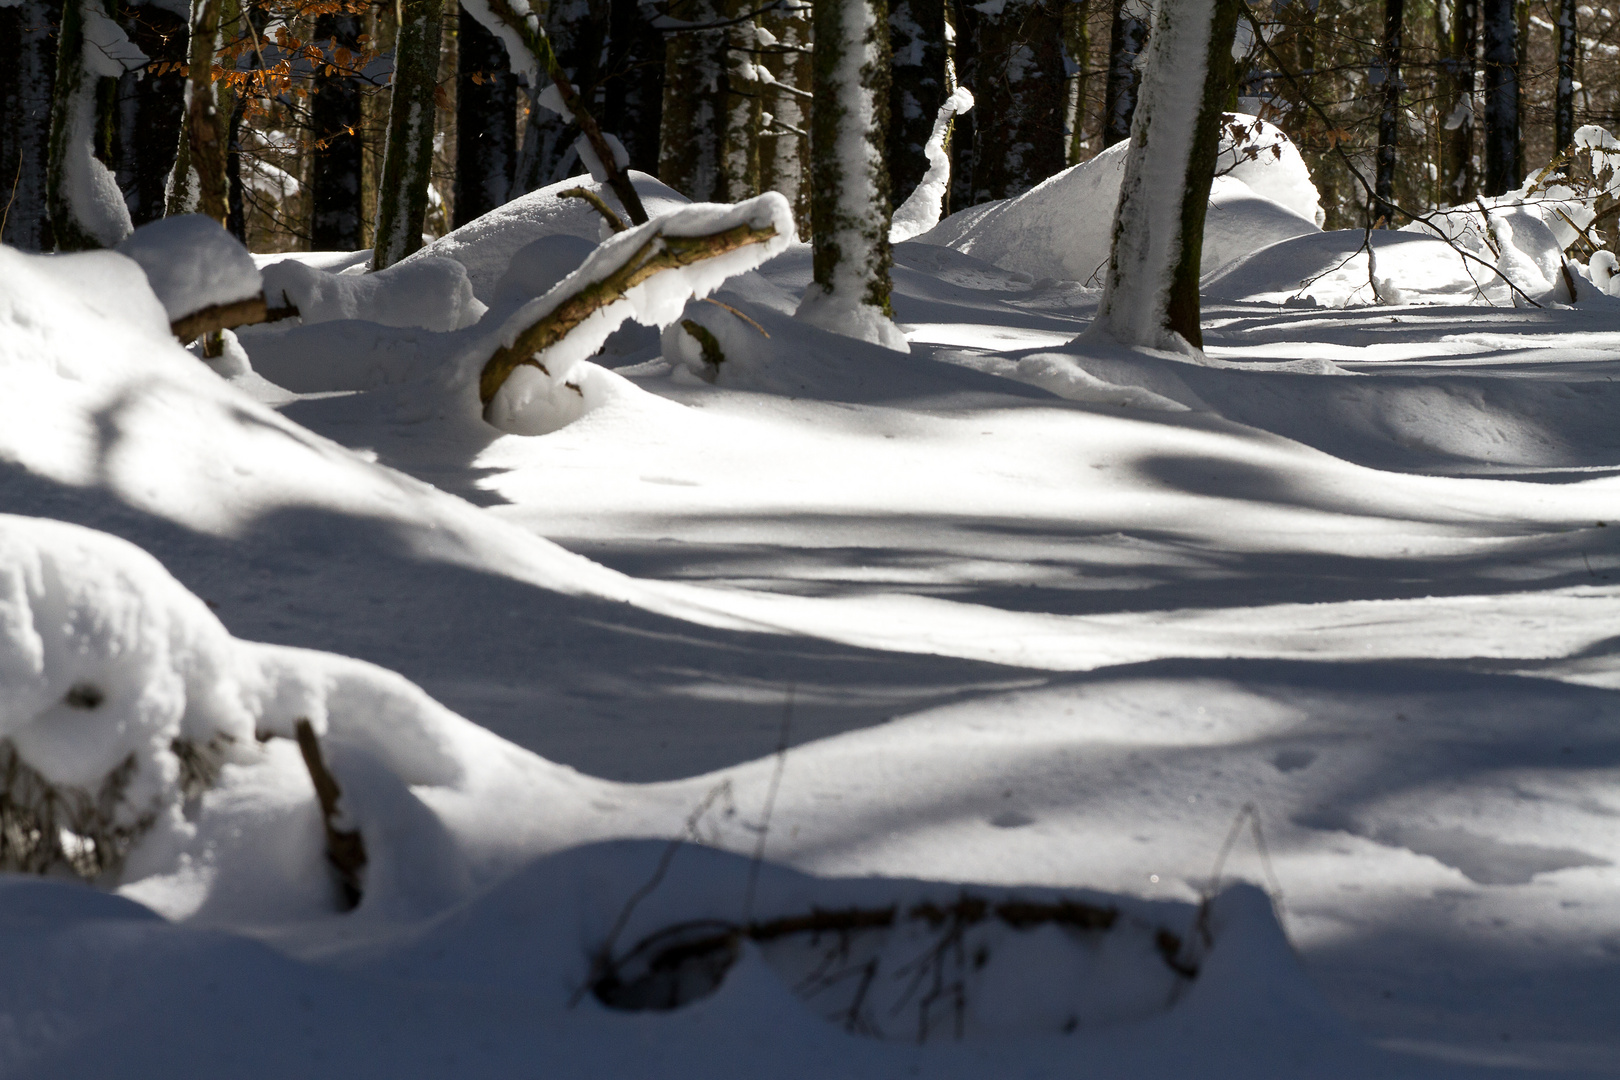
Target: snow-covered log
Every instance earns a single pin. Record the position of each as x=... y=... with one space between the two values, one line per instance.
x=849 y=179
x=1151 y=294
x=647 y=274
x=402 y=194
x=922 y=209
x=86 y=208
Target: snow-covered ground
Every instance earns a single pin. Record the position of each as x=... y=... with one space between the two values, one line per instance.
x=1025 y=615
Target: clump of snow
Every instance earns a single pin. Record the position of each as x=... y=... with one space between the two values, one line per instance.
x=1063 y=227
x=430 y=293
x=922 y=208
x=587 y=155
x=192 y=264
x=89 y=186
x=534 y=403
x=487 y=245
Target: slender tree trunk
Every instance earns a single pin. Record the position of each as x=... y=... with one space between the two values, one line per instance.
x=633 y=84
x=1501 y=97
x=197 y=185
x=336 y=214
x=1389 y=116
x=1021 y=90
x=694 y=103
x=917 y=87
x=577 y=29
x=1151 y=296
x=486 y=121
x=86 y=208
x=402 y=192
x=784 y=151
x=1564 y=106
x=1523 y=37
x=1459 y=38
x=28 y=48
x=962 y=68
x=1077 y=57
x=151 y=110
x=745 y=106
x=849 y=194
x=250 y=23
x=1126 y=38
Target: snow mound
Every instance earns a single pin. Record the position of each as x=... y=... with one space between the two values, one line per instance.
x=192 y=264
x=486 y=245
x=430 y=293
x=1063 y=227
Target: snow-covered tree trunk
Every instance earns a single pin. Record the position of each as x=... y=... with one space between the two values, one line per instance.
x=86 y=208
x=1021 y=85
x=1389 y=115
x=1457 y=25
x=784 y=151
x=1501 y=97
x=1077 y=58
x=151 y=109
x=1127 y=36
x=633 y=84
x=576 y=29
x=849 y=181
x=486 y=124
x=27 y=74
x=917 y=89
x=402 y=191
x=197 y=183
x=1564 y=98
x=336 y=217
x=745 y=105
x=1151 y=295
x=694 y=103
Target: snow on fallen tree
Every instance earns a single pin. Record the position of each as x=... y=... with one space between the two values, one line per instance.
x=922 y=208
x=202 y=275
x=432 y=293
x=534 y=376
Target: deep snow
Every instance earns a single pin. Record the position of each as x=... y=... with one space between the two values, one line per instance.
x=1028 y=615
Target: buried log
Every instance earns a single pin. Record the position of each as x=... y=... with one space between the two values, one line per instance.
x=657 y=253
x=217 y=317
x=929 y=963
x=345 y=848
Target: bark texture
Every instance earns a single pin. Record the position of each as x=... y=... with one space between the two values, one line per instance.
x=1564 y=97
x=784 y=152
x=336 y=218
x=1127 y=37
x=1458 y=31
x=486 y=121
x=27 y=74
x=85 y=206
x=402 y=191
x=197 y=183
x=1501 y=97
x=1020 y=89
x=1077 y=60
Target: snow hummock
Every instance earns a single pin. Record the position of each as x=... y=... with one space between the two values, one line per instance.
x=1063 y=227
x=430 y=292
x=192 y=263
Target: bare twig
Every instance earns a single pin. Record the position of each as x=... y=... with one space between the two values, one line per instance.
x=615 y=222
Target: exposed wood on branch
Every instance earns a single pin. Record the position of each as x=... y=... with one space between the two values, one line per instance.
x=345 y=849
x=615 y=222
x=211 y=320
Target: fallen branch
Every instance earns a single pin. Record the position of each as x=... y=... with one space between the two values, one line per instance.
x=656 y=254
x=345 y=848
x=615 y=222
x=213 y=319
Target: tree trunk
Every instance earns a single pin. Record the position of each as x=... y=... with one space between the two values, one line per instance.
x=1501 y=97
x=197 y=184
x=917 y=88
x=1126 y=39
x=633 y=84
x=694 y=103
x=1077 y=56
x=151 y=111
x=1458 y=31
x=250 y=23
x=849 y=181
x=1021 y=90
x=576 y=29
x=1389 y=115
x=784 y=150
x=1151 y=296
x=336 y=214
x=402 y=191
x=739 y=148
x=962 y=60
x=86 y=208
x=27 y=74
x=486 y=121
x=1564 y=106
